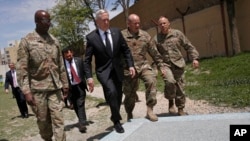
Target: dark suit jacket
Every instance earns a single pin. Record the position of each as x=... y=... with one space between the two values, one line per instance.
x=8 y=80
x=103 y=61
x=80 y=69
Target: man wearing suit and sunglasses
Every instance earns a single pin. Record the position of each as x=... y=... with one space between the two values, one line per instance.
x=108 y=46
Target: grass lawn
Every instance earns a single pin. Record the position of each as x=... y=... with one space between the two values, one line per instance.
x=12 y=126
x=223 y=81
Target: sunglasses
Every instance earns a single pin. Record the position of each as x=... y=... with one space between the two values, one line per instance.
x=45 y=21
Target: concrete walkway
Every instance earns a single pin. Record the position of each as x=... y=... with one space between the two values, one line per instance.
x=211 y=127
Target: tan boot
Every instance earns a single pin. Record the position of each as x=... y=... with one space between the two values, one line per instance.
x=171 y=108
x=150 y=114
x=181 y=112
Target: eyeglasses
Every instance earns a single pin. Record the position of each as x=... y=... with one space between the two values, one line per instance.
x=45 y=21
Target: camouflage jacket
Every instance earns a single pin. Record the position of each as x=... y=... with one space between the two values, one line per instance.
x=40 y=64
x=139 y=46
x=170 y=46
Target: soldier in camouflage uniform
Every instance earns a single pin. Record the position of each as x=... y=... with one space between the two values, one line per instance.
x=139 y=44
x=42 y=77
x=168 y=42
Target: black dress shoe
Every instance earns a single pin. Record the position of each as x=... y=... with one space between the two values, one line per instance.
x=82 y=128
x=118 y=127
x=26 y=115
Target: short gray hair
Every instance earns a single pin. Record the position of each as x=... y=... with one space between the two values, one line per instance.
x=99 y=13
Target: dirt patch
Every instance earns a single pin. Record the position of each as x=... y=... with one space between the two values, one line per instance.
x=99 y=115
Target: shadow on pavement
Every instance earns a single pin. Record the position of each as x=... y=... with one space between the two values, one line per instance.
x=101 y=135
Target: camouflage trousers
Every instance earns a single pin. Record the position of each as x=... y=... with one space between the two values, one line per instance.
x=174 y=85
x=131 y=85
x=49 y=113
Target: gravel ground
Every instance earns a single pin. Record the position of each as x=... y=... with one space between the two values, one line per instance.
x=99 y=117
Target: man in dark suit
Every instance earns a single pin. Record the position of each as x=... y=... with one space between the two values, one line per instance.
x=108 y=46
x=76 y=77
x=11 y=80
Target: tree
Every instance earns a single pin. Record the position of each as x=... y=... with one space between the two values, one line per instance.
x=70 y=19
x=98 y=4
x=93 y=6
x=233 y=26
x=125 y=6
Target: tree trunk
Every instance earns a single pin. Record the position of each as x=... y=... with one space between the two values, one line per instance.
x=233 y=27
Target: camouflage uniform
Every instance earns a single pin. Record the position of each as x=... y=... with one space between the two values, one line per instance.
x=40 y=71
x=169 y=47
x=139 y=46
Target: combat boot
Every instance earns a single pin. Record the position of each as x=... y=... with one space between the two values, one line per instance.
x=171 y=108
x=181 y=112
x=150 y=114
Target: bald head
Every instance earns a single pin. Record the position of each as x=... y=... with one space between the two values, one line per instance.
x=133 y=17
x=42 y=20
x=133 y=23
x=40 y=14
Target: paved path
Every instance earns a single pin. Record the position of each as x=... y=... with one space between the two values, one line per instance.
x=210 y=127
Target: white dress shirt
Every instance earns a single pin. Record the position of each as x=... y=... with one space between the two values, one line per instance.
x=102 y=33
x=69 y=71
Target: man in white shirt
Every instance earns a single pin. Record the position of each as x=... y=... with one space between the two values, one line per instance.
x=11 y=80
x=75 y=72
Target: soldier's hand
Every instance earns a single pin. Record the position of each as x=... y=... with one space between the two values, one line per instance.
x=30 y=99
x=132 y=72
x=195 y=64
x=163 y=72
x=65 y=93
x=6 y=91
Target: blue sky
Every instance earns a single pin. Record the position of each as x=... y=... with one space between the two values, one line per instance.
x=17 y=18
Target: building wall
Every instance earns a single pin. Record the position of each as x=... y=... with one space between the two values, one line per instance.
x=243 y=22
x=1 y=57
x=205 y=31
x=11 y=52
x=3 y=70
x=203 y=27
x=9 y=55
x=151 y=10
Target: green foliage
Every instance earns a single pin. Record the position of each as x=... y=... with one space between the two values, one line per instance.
x=70 y=24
